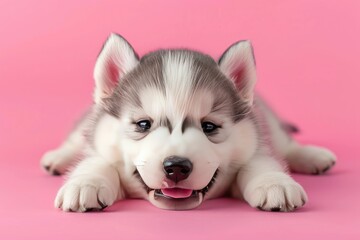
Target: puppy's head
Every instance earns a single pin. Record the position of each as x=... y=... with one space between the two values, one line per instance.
x=178 y=111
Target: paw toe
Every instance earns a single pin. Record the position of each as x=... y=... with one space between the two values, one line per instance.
x=282 y=195
x=312 y=160
x=54 y=162
x=275 y=209
x=318 y=171
x=84 y=195
x=56 y=172
x=102 y=205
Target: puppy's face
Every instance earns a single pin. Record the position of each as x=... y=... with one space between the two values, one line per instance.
x=178 y=111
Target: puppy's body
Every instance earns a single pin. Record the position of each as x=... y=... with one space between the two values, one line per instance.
x=176 y=128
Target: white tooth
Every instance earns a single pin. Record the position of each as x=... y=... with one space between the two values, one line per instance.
x=201 y=196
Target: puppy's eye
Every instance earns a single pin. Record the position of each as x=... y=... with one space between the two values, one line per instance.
x=209 y=127
x=143 y=125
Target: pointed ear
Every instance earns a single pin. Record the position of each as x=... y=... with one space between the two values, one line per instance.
x=116 y=58
x=238 y=64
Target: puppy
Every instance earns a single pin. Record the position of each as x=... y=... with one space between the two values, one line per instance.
x=176 y=128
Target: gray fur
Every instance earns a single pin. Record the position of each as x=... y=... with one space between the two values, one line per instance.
x=149 y=74
x=184 y=83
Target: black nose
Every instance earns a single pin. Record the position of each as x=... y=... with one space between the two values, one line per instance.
x=177 y=168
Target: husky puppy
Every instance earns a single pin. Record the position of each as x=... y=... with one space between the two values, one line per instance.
x=176 y=128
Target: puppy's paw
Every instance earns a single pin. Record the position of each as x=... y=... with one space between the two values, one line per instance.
x=85 y=193
x=312 y=160
x=275 y=192
x=56 y=162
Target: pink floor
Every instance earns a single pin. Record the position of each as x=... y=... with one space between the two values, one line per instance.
x=308 y=66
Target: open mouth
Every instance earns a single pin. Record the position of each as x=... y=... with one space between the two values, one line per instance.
x=175 y=193
x=177 y=198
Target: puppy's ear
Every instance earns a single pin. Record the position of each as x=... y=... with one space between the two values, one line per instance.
x=115 y=59
x=238 y=64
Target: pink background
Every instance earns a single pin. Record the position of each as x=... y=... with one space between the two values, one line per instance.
x=308 y=66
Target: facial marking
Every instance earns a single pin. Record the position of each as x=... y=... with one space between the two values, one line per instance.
x=166 y=123
x=192 y=94
x=183 y=90
x=187 y=123
x=177 y=74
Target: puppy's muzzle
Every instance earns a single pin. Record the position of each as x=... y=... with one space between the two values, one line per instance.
x=177 y=168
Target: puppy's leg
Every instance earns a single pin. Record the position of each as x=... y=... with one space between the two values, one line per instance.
x=93 y=185
x=265 y=185
x=301 y=158
x=309 y=159
x=59 y=160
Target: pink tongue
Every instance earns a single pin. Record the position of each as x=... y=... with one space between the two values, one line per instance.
x=177 y=192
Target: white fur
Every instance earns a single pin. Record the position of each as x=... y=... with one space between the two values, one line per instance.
x=240 y=58
x=264 y=184
x=301 y=159
x=92 y=182
x=309 y=159
x=115 y=60
x=177 y=68
x=189 y=144
x=59 y=160
x=249 y=164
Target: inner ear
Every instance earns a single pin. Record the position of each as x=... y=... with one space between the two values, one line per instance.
x=116 y=59
x=238 y=64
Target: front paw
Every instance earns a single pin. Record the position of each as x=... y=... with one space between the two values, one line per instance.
x=85 y=193
x=56 y=161
x=275 y=192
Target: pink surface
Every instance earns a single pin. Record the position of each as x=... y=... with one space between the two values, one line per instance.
x=308 y=65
